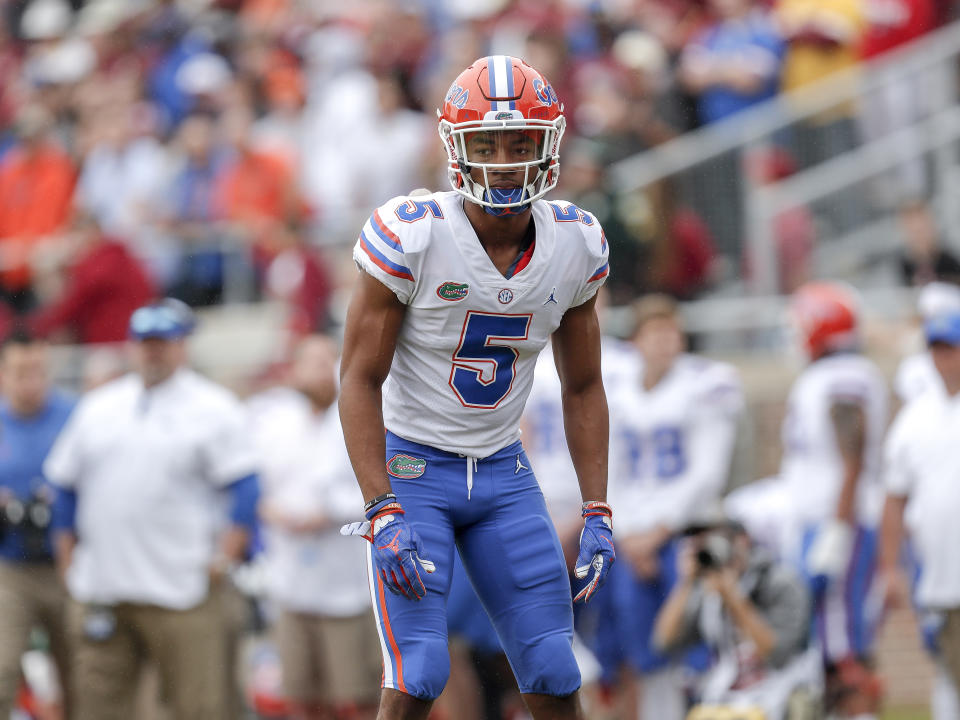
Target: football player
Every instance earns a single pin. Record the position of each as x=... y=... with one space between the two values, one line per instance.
x=673 y=429
x=832 y=435
x=459 y=292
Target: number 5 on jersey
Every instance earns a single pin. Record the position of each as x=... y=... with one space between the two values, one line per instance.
x=483 y=370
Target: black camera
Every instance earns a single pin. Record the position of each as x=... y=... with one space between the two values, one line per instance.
x=31 y=518
x=715 y=552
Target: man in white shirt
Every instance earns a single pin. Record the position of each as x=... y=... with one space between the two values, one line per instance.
x=146 y=460
x=921 y=466
x=316 y=578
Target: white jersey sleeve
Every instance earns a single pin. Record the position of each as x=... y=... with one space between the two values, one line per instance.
x=598 y=253
x=64 y=463
x=897 y=470
x=388 y=250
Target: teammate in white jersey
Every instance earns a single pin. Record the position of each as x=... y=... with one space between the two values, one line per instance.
x=459 y=293
x=673 y=425
x=832 y=435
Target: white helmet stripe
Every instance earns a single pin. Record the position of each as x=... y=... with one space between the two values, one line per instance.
x=499 y=81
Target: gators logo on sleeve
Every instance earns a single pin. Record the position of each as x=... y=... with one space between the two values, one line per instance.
x=453 y=291
x=406 y=466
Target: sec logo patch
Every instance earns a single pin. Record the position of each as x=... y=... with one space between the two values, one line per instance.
x=505 y=296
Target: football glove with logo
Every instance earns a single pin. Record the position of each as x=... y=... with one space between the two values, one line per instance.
x=396 y=548
x=596 y=549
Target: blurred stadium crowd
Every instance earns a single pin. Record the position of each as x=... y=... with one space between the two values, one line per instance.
x=227 y=152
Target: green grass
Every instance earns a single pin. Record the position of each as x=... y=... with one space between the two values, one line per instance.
x=907 y=713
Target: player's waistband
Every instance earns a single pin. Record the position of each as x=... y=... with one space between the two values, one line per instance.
x=428 y=451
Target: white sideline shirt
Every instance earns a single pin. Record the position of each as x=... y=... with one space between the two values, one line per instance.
x=305 y=471
x=921 y=462
x=148 y=466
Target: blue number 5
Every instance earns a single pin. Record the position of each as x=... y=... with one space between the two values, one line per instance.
x=483 y=371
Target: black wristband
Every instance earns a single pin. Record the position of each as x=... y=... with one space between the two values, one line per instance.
x=379 y=499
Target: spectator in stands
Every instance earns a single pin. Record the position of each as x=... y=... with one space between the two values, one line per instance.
x=735 y=63
x=823 y=37
x=31 y=416
x=192 y=213
x=731 y=66
x=317 y=578
x=103 y=285
x=898 y=100
x=36 y=188
x=923 y=496
x=922 y=258
x=253 y=191
x=753 y=613
x=122 y=180
x=144 y=461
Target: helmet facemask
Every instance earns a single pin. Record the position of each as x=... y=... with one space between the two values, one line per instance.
x=472 y=145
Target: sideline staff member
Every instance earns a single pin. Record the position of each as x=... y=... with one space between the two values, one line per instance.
x=146 y=457
x=31 y=416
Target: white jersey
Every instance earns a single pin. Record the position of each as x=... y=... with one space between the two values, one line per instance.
x=671 y=446
x=306 y=473
x=466 y=352
x=915 y=375
x=812 y=465
x=146 y=465
x=544 y=439
x=922 y=464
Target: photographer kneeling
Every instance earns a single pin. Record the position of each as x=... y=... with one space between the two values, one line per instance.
x=752 y=613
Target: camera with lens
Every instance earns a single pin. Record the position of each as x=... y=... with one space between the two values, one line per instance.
x=31 y=518
x=715 y=552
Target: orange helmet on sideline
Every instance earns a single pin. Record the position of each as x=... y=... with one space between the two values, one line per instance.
x=827 y=317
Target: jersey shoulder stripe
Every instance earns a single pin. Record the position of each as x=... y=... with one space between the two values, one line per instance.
x=382 y=261
x=385 y=233
x=600 y=273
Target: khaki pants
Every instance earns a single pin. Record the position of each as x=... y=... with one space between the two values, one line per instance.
x=30 y=595
x=949 y=642
x=328 y=660
x=189 y=649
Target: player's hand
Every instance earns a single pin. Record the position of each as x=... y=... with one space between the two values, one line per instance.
x=896 y=588
x=829 y=554
x=596 y=549
x=396 y=549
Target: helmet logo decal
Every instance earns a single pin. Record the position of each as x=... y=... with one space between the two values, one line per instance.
x=505 y=296
x=452 y=291
x=457 y=96
x=545 y=93
x=507 y=115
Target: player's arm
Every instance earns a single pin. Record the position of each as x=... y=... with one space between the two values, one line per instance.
x=896 y=587
x=586 y=424
x=849 y=425
x=830 y=552
x=374 y=318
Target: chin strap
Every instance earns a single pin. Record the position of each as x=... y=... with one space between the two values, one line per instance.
x=504 y=195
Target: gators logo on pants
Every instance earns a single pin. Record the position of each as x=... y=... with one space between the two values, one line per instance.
x=406 y=466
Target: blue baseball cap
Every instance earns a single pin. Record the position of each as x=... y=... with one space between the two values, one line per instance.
x=167 y=319
x=943 y=328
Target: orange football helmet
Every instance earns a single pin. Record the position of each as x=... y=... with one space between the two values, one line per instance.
x=502 y=94
x=827 y=317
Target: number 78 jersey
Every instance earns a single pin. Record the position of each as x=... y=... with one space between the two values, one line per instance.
x=465 y=356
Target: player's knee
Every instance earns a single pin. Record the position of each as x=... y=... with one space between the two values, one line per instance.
x=424 y=670
x=550 y=668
